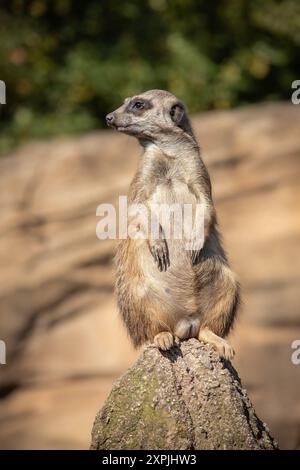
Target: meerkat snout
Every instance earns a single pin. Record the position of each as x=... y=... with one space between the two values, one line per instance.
x=109 y=119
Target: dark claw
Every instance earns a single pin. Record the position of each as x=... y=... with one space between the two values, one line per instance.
x=161 y=268
x=161 y=256
x=165 y=261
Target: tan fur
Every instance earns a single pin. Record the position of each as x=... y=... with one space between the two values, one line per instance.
x=163 y=290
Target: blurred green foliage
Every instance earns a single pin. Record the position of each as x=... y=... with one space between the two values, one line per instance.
x=66 y=63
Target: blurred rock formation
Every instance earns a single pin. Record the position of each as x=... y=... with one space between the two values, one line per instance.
x=65 y=343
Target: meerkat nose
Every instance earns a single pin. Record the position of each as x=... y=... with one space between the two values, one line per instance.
x=110 y=118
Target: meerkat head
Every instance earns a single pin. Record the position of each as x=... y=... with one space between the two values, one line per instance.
x=151 y=116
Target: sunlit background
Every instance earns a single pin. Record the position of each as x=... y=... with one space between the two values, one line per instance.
x=66 y=64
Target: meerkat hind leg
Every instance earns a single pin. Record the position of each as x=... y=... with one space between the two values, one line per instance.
x=164 y=340
x=220 y=344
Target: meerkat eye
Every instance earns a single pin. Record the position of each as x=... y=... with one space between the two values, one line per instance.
x=138 y=105
x=172 y=112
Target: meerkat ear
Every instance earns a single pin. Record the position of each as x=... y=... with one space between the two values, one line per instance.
x=177 y=114
x=179 y=117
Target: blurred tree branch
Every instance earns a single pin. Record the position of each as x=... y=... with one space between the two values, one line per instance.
x=66 y=63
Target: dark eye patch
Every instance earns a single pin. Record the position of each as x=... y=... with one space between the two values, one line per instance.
x=138 y=106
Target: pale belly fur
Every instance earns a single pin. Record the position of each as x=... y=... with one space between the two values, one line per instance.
x=172 y=291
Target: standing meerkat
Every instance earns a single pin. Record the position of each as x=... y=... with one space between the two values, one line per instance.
x=165 y=291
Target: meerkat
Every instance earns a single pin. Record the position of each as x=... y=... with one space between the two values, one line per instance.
x=164 y=291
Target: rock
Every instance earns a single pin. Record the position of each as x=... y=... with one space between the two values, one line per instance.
x=186 y=398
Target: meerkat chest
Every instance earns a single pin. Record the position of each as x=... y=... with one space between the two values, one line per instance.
x=172 y=187
x=167 y=178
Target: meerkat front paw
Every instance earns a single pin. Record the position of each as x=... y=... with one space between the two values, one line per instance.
x=164 y=340
x=160 y=253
